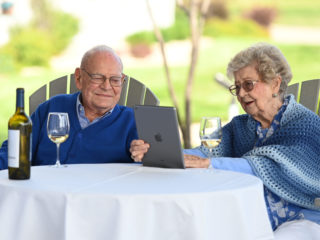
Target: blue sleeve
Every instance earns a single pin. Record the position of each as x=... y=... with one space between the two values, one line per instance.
x=232 y=164
x=224 y=163
x=312 y=215
x=38 y=118
x=4 y=155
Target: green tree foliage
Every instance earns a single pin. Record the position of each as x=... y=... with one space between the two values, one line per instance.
x=64 y=27
x=49 y=33
x=60 y=26
x=237 y=28
x=143 y=37
x=215 y=27
x=28 y=47
x=178 y=31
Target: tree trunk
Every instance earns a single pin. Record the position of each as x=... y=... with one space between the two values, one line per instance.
x=196 y=12
x=165 y=63
x=196 y=17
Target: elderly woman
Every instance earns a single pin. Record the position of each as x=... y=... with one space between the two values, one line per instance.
x=278 y=140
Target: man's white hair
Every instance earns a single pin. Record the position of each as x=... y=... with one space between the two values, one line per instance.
x=99 y=48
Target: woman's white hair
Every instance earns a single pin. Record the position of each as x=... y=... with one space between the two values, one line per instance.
x=269 y=62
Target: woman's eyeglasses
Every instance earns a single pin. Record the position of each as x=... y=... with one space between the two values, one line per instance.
x=247 y=85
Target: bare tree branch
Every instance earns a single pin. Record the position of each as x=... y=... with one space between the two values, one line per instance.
x=197 y=20
x=165 y=62
x=182 y=6
x=196 y=11
x=205 y=4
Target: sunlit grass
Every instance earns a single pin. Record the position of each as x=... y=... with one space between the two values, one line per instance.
x=208 y=98
x=293 y=12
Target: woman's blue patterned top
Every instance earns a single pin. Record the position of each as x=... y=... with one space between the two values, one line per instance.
x=286 y=156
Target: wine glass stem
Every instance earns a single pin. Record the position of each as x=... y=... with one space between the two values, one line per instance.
x=58 y=156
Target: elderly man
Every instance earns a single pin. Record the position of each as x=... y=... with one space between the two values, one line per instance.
x=100 y=130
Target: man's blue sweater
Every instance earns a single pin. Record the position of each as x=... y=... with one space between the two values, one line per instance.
x=106 y=141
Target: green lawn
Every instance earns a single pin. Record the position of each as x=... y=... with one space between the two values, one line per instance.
x=289 y=12
x=208 y=97
x=30 y=82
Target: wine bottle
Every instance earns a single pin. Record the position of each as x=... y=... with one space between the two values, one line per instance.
x=19 y=141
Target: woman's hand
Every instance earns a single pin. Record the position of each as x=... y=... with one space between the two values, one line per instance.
x=138 y=148
x=192 y=161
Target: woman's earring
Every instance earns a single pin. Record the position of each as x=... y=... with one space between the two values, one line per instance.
x=274 y=95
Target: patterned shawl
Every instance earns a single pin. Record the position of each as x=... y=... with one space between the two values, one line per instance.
x=288 y=162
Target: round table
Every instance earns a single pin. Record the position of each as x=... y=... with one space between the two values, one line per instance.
x=129 y=201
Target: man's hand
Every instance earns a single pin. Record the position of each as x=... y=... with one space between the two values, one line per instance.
x=192 y=161
x=138 y=148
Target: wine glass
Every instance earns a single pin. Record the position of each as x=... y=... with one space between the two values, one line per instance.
x=58 y=130
x=210 y=132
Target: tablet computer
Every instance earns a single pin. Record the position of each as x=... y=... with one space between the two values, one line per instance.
x=159 y=127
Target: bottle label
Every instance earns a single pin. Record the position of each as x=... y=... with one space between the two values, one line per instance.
x=13 y=148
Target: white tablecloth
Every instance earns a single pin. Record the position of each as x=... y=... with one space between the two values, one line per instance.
x=128 y=201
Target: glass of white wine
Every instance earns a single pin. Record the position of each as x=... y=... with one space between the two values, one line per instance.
x=58 y=130
x=210 y=132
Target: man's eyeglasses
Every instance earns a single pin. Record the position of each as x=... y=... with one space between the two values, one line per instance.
x=115 y=81
x=247 y=85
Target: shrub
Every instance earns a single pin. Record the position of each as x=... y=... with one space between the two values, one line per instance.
x=214 y=27
x=143 y=37
x=237 y=27
x=29 y=47
x=217 y=9
x=140 y=50
x=59 y=25
x=35 y=44
x=63 y=27
x=262 y=15
x=179 y=30
x=140 y=43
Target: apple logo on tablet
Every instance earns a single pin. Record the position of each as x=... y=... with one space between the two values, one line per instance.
x=158 y=137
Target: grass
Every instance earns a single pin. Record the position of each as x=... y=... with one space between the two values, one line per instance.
x=293 y=12
x=208 y=98
x=306 y=13
x=30 y=81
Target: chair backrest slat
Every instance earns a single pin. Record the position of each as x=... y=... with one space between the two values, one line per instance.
x=73 y=87
x=133 y=92
x=136 y=93
x=58 y=86
x=309 y=94
x=39 y=96
x=150 y=98
x=293 y=89
x=124 y=92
